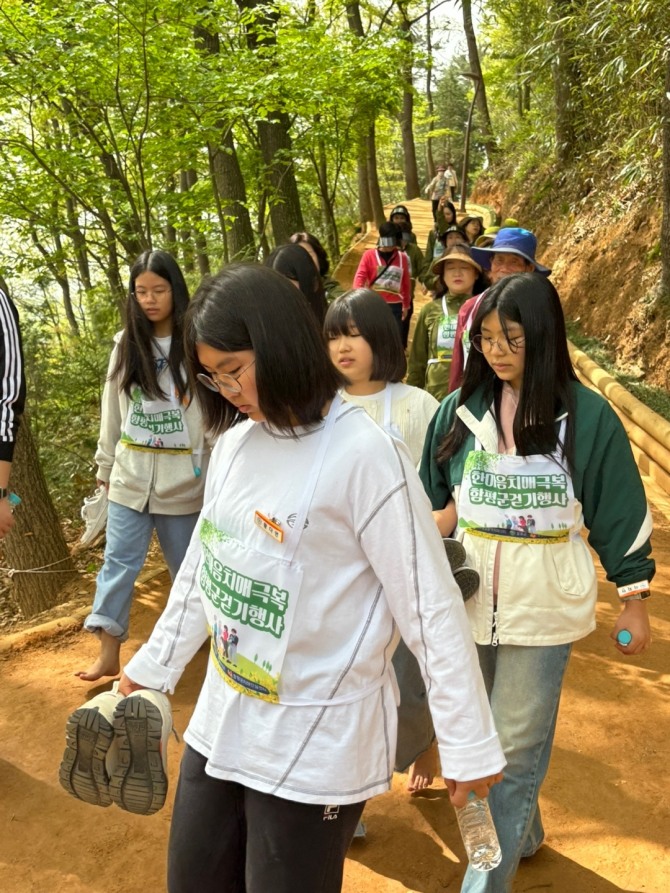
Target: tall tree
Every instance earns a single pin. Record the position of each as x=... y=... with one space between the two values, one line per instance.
x=35 y=548
x=406 y=116
x=229 y=188
x=274 y=128
x=485 y=126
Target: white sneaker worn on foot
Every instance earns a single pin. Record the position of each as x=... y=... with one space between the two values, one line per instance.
x=142 y=725
x=94 y=515
x=84 y=769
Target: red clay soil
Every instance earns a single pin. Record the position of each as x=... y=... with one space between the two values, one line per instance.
x=605 y=803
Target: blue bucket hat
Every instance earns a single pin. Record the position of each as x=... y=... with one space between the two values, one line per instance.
x=511 y=240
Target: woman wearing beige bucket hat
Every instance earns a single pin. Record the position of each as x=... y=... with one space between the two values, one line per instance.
x=458 y=277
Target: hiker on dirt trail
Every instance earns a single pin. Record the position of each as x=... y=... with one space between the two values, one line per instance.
x=452 y=181
x=472 y=226
x=386 y=270
x=524 y=433
x=513 y=251
x=152 y=453
x=446 y=217
x=437 y=188
x=297 y=265
x=317 y=252
x=401 y=217
x=12 y=400
x=458 y=276
x=309 y=508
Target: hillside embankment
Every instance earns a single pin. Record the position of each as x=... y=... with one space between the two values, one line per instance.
x=602 y=242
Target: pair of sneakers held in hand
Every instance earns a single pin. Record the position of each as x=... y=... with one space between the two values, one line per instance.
x=466 y=577
x=116 y=751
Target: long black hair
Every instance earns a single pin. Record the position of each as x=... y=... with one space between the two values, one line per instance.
x=317 y=248
x=369 y=313
x=135 y=362
x=250 y=307
x=294 y=263
x=530 y=300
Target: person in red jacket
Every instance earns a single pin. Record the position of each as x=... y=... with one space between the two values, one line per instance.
x=513 y=251
x=385 y=269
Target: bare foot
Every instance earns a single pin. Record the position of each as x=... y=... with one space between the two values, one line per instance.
x=108 y=664
x=423 y=770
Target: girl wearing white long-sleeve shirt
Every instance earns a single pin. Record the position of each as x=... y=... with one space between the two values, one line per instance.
x=316 y=542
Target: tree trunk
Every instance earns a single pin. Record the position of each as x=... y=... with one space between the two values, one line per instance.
x=277 y=153
x=665 y=225
x=567 y=87
x=373 y=180
x=228 y=184
x=274 y=133
x=327 y=203
x=430 y=162
x=36 y=541
x=485 y=127
x=364 y=204
x=406 y=116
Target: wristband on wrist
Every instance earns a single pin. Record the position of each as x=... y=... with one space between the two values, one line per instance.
x=4 y=493
x=634 y=591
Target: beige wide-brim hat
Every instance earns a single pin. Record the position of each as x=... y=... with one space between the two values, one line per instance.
x=460 y=256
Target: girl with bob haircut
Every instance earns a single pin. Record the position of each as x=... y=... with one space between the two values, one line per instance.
x=151 y=453
x=365 y=347
x=301 y=547
x=530 y=456
x=295 y=264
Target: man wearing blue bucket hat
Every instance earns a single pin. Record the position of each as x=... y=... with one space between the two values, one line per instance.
x=513 y=251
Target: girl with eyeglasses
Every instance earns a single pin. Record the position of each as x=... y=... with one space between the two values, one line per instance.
x=302 y=549
x=531 y=457
x=152 y=452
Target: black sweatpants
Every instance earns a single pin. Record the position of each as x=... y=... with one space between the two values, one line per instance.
x=227 y=838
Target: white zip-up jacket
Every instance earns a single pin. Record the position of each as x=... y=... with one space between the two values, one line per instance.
x=373 y=565
x=547 y=593
x=148 y=480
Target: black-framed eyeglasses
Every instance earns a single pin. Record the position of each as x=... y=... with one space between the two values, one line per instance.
x=227 y=383
x=484 y=345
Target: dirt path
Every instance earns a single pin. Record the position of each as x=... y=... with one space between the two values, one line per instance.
x=606 y=805
x=605 y=802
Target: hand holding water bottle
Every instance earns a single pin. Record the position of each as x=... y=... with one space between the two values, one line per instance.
x=633 y=620
x=470 y=802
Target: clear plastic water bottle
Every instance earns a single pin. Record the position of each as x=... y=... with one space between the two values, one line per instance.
x=479 y=833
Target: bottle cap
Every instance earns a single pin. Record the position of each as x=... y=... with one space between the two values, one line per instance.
x=624 y=637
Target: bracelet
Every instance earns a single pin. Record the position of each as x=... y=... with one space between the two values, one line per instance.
x=4 y=493
x=637 y=590
x=637 y=597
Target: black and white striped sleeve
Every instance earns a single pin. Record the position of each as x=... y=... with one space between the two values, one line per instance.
x=12 y=377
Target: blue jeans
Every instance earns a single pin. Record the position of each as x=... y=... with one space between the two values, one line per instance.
x=524 y=687
x=128 y=537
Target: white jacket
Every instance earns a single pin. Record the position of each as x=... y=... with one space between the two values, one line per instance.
x=160 y=483
x=373 y=564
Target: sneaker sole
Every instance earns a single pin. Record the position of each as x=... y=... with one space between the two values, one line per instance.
x=82 y=771
x=455 y=550
x=468 y=581
x=138 y=782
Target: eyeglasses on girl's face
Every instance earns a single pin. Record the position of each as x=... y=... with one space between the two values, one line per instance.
x=485 y=345
x=229 y=384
